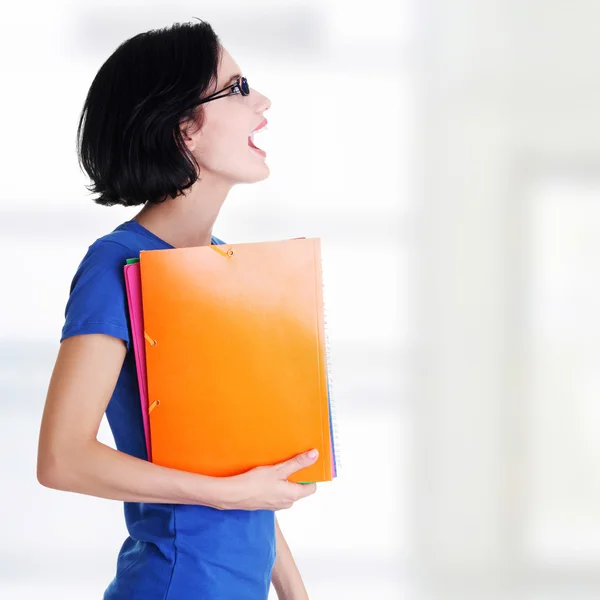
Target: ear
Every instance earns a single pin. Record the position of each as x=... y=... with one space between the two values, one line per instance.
x=189 y=133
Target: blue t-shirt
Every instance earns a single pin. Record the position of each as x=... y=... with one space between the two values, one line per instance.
x=173 y=551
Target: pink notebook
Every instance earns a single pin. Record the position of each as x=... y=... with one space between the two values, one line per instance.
x=133 y=283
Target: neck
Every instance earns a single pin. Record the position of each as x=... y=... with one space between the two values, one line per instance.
x=187 y=220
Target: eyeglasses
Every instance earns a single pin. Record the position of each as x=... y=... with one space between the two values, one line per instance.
x=240 y=86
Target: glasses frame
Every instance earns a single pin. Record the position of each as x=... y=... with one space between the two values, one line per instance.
x=240 y=83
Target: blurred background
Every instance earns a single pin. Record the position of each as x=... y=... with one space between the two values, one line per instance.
x=447 y=153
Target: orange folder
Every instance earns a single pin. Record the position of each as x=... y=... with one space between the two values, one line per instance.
x=236 y=357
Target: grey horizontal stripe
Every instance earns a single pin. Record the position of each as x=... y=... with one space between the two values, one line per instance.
x=93 y=223
x=62 y=566
x=366 y=377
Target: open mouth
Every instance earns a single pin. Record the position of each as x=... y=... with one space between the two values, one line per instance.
x=261 y=127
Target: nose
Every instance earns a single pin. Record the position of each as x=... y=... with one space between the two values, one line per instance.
x=261 y=102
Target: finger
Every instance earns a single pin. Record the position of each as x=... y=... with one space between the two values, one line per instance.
x=298 y=462
x=305 y=489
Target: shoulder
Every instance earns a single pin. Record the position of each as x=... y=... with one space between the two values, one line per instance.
x=102 y=258
x=107 y=250
x=111 y=250
x=121 y=237
x=97 y=298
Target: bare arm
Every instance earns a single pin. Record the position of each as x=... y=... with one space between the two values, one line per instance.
x=71 y=458
x=286 y=576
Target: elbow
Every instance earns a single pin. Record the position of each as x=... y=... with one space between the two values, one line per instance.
x=46 y=478
x=49 y=475
x=54 y=471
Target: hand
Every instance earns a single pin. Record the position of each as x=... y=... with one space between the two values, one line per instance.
x=267 y=488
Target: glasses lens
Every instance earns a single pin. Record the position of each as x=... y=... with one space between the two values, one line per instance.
x=244 y=87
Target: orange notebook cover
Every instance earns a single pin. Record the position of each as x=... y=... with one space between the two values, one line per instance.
x=236 y=357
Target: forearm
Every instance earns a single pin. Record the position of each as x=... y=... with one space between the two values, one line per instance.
x=98 y=470
x=286 y=577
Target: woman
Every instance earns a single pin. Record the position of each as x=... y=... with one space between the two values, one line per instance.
x=166 y=124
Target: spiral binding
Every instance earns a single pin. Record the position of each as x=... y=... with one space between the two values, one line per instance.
x=330 y=380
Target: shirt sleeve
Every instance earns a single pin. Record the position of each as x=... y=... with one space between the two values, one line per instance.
x=98 y=298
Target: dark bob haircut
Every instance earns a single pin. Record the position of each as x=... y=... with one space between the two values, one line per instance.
x=128 y=139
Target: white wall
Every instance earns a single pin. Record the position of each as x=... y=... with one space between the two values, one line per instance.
x=508 y=113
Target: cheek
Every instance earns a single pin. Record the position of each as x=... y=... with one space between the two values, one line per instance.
x=221 y=143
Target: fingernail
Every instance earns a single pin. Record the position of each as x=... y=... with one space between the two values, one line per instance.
x=313 y=454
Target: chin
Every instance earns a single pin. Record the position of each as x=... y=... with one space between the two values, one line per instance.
x=254 y=175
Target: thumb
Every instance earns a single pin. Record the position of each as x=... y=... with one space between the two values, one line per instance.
x=298 y=462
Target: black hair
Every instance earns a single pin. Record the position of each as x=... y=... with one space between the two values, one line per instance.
x=128 y=138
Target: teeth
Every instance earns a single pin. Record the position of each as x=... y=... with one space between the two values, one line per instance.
x=258 y=130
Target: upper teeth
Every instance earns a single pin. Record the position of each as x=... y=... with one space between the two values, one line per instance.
x=263 y=128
